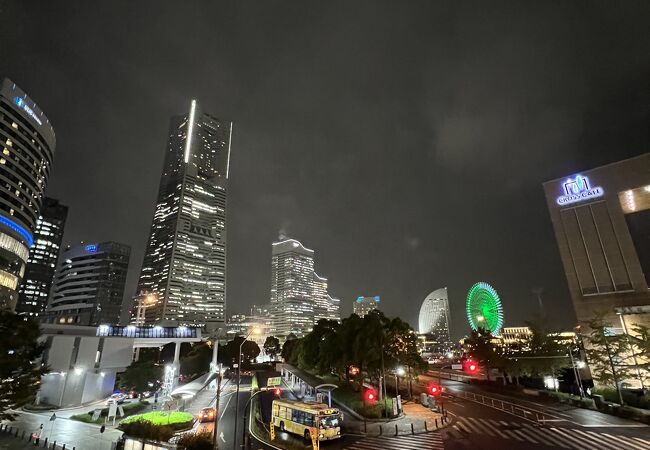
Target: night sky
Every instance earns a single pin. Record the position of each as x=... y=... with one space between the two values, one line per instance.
x=405 y=141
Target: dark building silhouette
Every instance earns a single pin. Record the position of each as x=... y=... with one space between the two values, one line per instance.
x=41 y=265
x=89 y=285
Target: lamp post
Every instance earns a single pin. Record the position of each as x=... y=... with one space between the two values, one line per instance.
x=253 y=331
x=399 y=372
x=216 y=367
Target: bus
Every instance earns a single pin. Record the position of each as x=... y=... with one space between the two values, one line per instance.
x=299 y=417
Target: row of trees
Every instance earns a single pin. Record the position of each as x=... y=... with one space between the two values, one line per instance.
x=612 y=357
x=368 y=343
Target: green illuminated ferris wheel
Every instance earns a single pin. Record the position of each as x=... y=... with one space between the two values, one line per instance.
x=484 y=308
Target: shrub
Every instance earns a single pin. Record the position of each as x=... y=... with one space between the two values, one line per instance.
x=146 y=430
x=178 y=420
x=195 y=441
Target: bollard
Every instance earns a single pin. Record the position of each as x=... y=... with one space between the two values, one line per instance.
x=63 y=447
x=54 y=445
x=436 y=423
x=45 y=443
x=381 y=430
x=17 y=430
x=425 y=426
x=396 y=431
x=10 y=429
x=365 y=427
x=412 y=430
x=23 y=435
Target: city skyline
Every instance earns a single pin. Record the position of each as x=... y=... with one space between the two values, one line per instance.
x=310 y=167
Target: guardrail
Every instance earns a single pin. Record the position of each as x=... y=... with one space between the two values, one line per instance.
x=31 y=437
x=451 y=376
x=529 y=414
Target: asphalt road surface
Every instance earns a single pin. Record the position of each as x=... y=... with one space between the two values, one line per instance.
x=476 y=426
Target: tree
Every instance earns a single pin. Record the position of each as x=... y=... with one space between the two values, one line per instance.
x=272 y=346
x=229 y=353
x=139 y=374
x=480 y=347
x=20 y=368
x=291 y=350
x=197 y=360
x=608 y=353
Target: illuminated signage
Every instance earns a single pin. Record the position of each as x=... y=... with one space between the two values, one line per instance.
x=92 y=248
x=25 y=107
x=577 y=190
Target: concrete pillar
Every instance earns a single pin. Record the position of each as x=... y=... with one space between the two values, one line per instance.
x=177 y=353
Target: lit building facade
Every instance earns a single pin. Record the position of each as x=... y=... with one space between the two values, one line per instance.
x=601 y=219
x=363 y=305
x=27 y=142
x=299 y=296
x=184 y=266
x=325 y=306
x=292 y=287
x=41 y=265
x=433 y=322
x=89 y=285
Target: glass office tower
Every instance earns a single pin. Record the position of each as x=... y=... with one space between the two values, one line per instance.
x=183 y=277
x=27 y=143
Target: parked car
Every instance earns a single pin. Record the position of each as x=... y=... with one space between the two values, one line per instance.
x=207 y=415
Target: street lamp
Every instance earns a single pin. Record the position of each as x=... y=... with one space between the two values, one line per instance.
x=253 y=331
x=399 y=372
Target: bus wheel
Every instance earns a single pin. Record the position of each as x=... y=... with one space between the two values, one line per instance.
x=307 y=435
x=281 y=426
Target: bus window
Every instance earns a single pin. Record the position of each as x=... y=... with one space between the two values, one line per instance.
x=309 y=420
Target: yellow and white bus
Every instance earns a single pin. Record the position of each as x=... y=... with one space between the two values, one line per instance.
x=300 y=417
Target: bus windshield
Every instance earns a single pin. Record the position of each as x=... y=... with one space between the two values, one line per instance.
x=331 y=421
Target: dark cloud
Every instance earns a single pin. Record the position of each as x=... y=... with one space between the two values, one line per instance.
x=405 y=142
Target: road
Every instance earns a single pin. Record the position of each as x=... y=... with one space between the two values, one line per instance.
x=476 y=426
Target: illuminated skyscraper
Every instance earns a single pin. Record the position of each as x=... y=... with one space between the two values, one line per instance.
x=89 y=285
x=433 y=321
x=27 y=143
x=363 y=305
x=184 y=267
x=292 y=286
x=41 y=265
x=325 y=306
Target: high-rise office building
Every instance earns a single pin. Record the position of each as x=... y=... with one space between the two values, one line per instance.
x=27 y=143
x=41 y=265
x=89 y=285
x=601 y=219
x=292 y=287
x=363 y=305
x=433 y=321
x=183 y=276
x=299 y=296
x=325 y=306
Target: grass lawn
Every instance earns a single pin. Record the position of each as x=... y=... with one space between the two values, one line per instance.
x=161 y=418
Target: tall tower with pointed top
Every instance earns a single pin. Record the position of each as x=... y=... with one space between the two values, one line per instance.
x=183 y=277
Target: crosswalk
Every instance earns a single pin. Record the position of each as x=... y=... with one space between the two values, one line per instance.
x=429 y=441
x=573 y=438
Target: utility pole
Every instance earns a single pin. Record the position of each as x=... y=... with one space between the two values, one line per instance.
x=215 y=442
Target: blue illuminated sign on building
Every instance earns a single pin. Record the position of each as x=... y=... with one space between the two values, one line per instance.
x=92 y=248
x=25 y=107
x=18 y=229
x=577 y=190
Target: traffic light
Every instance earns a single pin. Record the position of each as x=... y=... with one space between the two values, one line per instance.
x=277 y=392
x=370 y=395
x=435 y=389
x=471 y=366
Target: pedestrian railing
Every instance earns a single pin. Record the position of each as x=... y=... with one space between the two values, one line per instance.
x=529 y=414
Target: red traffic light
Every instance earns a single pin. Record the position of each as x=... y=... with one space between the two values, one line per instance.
x=471 y=366
x=277 y=391
x=435 y=389
x=370 y=395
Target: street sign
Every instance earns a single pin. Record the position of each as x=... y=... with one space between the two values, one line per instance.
x=96 y=414
x=112 y=410
x=120 y=411
x=234 y=366
x=272 y=430
x=274 y=381
x=456 y=367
